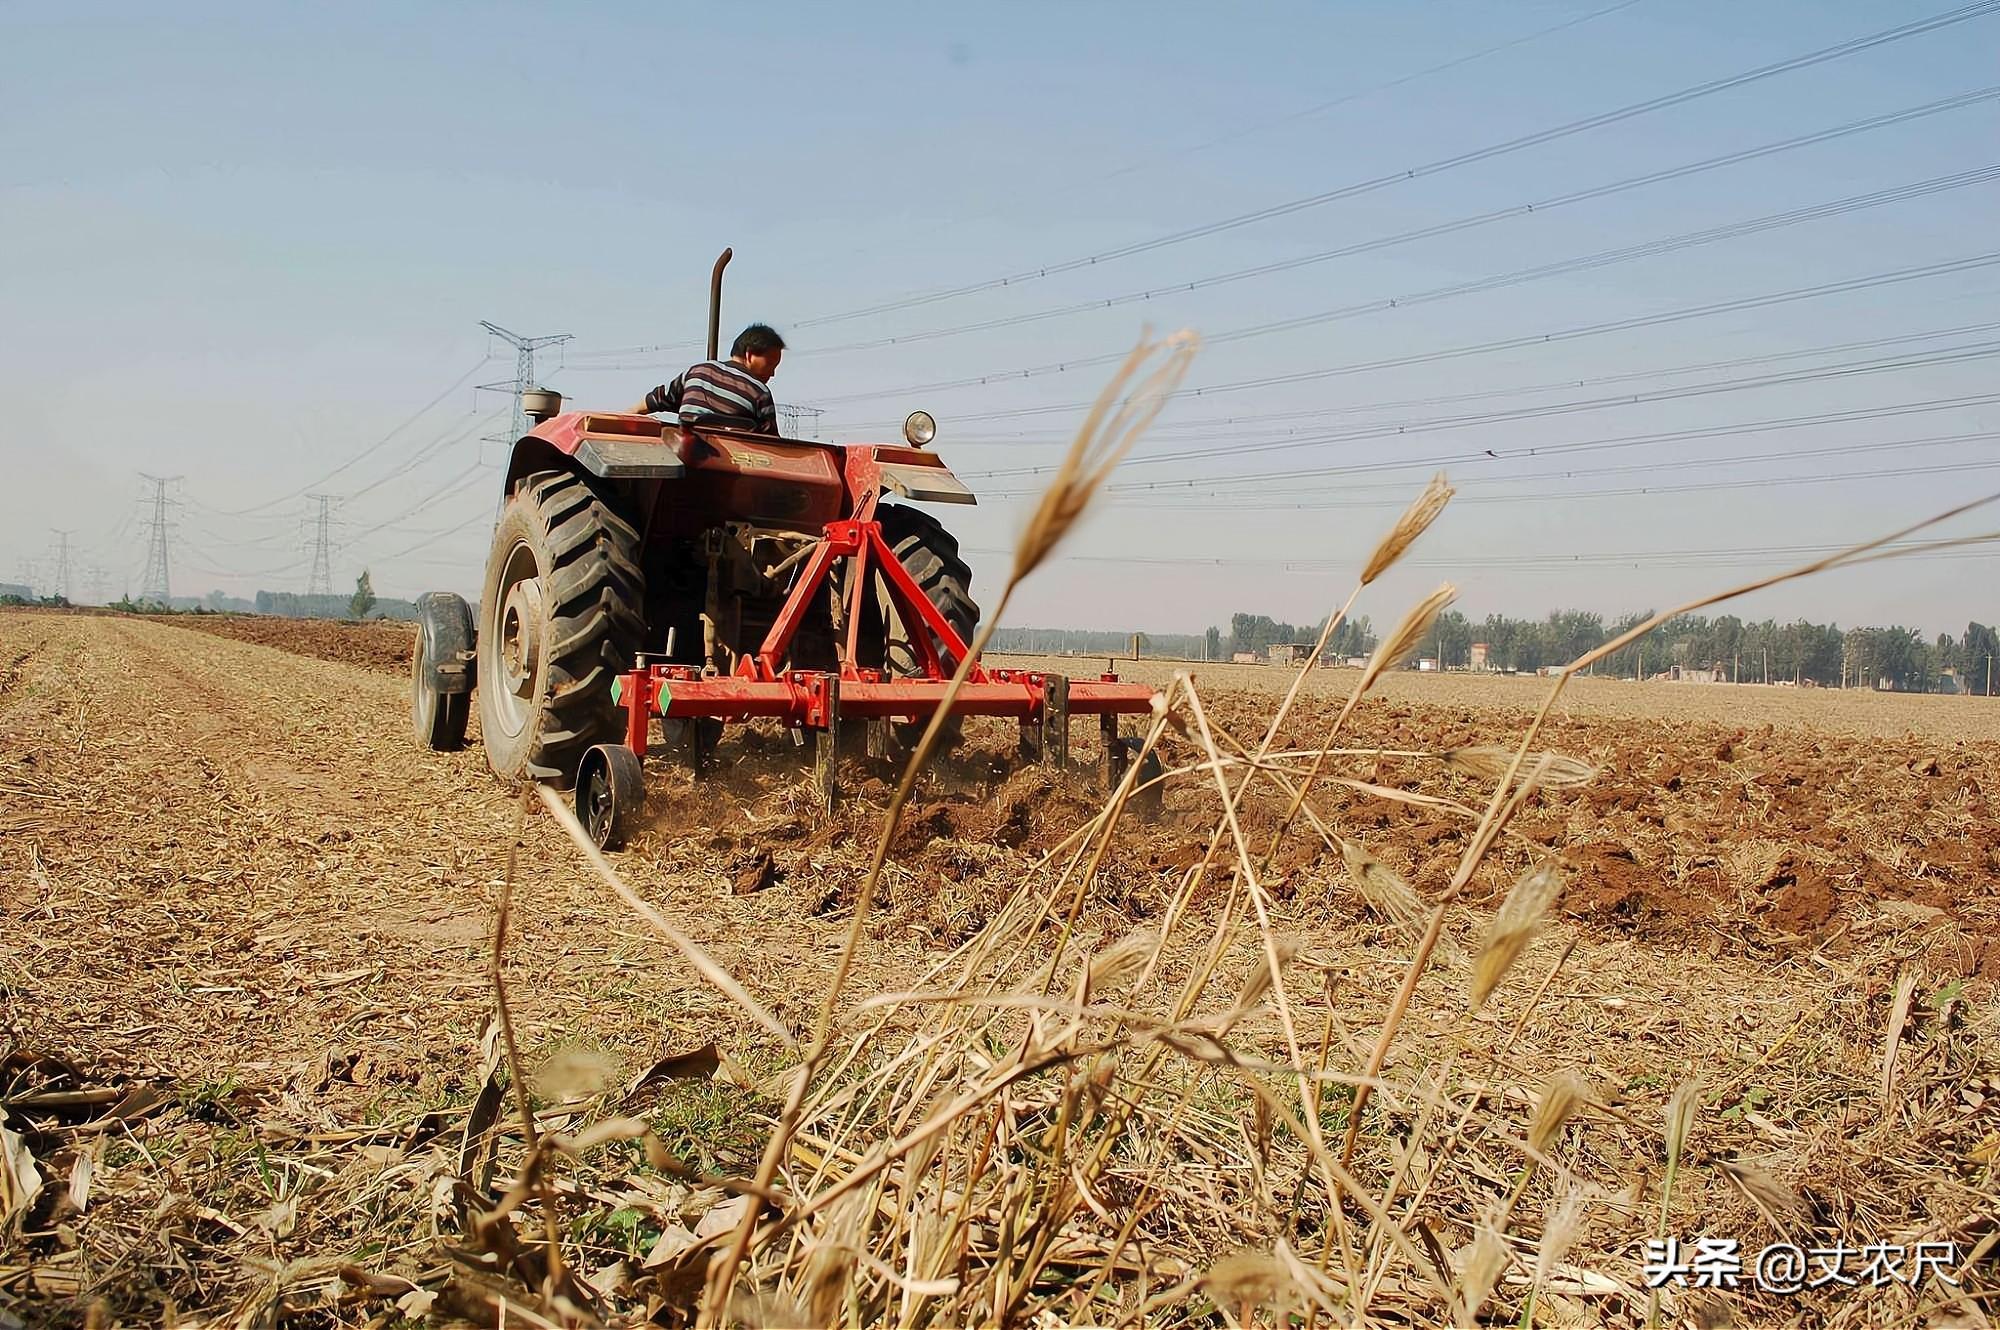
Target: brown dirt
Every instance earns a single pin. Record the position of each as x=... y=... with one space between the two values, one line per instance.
x=1777 y=826
x=381 y=645
x=229 y=869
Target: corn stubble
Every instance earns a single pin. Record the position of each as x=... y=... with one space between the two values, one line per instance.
x=1202 y=1121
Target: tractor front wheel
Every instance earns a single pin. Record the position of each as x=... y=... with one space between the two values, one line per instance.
x=440 y=694
x=560 y=619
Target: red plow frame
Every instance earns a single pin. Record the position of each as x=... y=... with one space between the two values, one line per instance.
x=822 y=702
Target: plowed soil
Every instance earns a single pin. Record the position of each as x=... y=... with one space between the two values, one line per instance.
x=225 y=866
x=1772 y=816
x=376 y=644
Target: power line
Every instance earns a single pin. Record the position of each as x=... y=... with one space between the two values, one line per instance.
x=1216 y=499
x=1630 y=491
x=451 y=435
x=1319 y=108
x=1949 y=267
x=1358 y=94
x=454 y=486
x=1854 y=46
x=1950 y=355
x=1420 y=233
x=1487 y=456
x=1581 y=263
x=207 y=563
x=436 y=536
x=1924 y=549
x=1209 y=424
x=369 y=451
x=1685 y=95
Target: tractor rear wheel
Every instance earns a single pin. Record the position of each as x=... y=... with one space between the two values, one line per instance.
x=560 y=619
x=931 y=554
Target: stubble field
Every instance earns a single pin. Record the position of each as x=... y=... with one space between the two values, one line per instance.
x=248 y=926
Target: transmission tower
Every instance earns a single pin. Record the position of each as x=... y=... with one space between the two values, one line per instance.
x=61 y=557
x=524 y=373
x=93 y=581
x=800 y=422
x=319 y=582
x=156 y=583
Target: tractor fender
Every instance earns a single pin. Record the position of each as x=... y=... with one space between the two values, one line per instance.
x=610 y=447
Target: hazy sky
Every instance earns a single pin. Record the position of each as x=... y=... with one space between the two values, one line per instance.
x=245 y=242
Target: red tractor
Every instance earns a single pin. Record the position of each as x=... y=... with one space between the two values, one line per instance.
x=698 y=576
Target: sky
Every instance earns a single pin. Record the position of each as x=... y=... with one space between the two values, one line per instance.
x=250 y=246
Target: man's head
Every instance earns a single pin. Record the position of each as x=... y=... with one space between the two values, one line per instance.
x=758 y=349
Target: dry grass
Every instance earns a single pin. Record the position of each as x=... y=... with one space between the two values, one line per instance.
x=1257 y=1108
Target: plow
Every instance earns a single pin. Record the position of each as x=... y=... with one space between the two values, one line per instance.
x=679 y=577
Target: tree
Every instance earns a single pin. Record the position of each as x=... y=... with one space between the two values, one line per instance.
x=1982 y=646
x=1452 y=637
x=1212 y=644
x=364 y=597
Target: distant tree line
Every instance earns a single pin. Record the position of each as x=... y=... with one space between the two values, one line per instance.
x=1097 y=642
x=1798 y=652
x=1257 y=633
x=289 y=605
x=1747 y=652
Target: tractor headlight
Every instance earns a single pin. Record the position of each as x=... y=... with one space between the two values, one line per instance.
x=919 y=429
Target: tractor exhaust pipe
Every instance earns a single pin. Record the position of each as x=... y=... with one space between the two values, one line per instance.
x=715 y=304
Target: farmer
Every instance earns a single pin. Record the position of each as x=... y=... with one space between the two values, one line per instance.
x=727 y=393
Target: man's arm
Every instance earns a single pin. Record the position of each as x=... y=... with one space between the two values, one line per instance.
x=667 y=397
x=767 y=414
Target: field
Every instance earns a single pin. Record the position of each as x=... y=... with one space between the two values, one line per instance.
x=248 y=930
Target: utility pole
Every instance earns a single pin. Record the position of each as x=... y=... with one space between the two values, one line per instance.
x=156 y=583
x=62 y=562
x=319 y=582
x=524 y=374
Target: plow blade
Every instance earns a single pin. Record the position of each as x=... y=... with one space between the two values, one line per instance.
x=808 y=700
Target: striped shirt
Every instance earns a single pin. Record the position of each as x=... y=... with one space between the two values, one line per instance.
x=721 y=393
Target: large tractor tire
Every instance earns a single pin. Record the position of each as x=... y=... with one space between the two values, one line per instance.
x=561 y=618
x=931 y=554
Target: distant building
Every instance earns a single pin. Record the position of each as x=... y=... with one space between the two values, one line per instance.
x=1289 y=653
x=1695 y=674
x=1427 y=664
x=1477 y=661
x=1244 y=658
